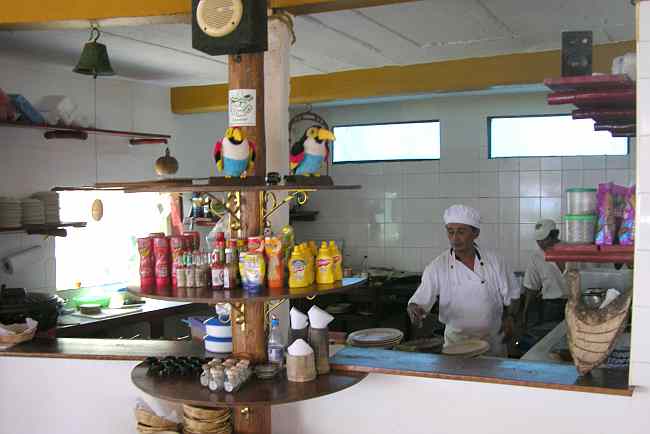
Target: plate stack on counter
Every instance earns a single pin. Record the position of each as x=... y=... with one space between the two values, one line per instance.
x=50 y=201
x=33 y=212
x=198 y=420
x=10 y=213
x=375 y=338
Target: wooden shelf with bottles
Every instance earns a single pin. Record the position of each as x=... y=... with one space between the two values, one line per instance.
x=69 y=132
x=608 y=99
x=52 y=229
x=590 y=253
x=238 y=295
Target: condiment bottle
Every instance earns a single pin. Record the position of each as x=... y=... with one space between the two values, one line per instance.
x=324 y=265
x=190 y=271
x=298 y=268
x=338 y=261
x=217 y=271
x=230 y=271
x=181 y=277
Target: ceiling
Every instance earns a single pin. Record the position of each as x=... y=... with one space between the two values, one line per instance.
x=401 y=34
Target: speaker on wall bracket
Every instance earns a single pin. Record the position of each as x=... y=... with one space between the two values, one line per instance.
x=577 y=53
x=229 y=26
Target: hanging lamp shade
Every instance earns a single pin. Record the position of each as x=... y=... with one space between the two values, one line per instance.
x=94 y=58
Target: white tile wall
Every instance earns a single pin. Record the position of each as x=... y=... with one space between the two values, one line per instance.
x=511 y=194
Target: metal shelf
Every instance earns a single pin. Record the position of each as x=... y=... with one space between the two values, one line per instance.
x=82 y=133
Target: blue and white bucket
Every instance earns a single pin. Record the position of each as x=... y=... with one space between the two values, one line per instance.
x=218 y=337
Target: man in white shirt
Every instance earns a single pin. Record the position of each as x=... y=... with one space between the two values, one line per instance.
x=472 y=286
x=544 y=279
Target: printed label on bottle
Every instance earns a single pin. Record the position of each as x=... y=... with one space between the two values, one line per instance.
x=217 y=277
x=298 y=269
x=276 y=354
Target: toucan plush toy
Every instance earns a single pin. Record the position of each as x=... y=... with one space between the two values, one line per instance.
x=234 y=154
x=309 y=153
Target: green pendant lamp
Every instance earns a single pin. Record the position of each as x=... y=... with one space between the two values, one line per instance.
x=94 y=58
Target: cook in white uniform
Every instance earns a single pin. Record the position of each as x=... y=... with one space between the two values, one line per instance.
x=545 y=278
x=473 y=286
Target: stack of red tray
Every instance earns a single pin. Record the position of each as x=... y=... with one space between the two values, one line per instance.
x=610 y=100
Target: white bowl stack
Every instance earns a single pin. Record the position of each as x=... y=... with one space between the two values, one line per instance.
x=50 y=201
x=33 y=212
x=10 y=213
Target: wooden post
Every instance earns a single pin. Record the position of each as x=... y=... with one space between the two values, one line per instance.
x=246 y=71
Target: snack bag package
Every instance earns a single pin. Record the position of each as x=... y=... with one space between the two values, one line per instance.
x=254 y=271
x=275 y=262
x=611 y=205
x=626 y=233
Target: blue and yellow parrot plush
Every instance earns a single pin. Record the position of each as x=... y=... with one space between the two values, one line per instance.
x=234 y=154
x=309 y=153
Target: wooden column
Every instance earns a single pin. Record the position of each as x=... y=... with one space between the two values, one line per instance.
x=246 y=71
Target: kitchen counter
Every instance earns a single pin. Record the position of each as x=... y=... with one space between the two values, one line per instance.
x=545 y=375
x=152 y=311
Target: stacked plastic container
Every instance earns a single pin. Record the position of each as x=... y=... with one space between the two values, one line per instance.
x=580 y=220
x=218 y=338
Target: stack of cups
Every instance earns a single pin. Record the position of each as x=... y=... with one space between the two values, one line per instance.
x=319 y=337
x=218 y=337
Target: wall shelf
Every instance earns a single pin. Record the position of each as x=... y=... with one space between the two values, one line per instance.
x=204 y=185
x=590 y=253
x=210 y=296
x=608 y=99
x=59 y=131
x=45 y=229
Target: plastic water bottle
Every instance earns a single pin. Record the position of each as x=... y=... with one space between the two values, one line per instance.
x=275 y=347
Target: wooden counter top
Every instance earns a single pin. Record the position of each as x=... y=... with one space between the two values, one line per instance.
x=350 y=359
x=103 y=349
x=482 y=369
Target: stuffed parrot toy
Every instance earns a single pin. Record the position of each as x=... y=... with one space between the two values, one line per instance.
x=234 y=154
x=309 y=153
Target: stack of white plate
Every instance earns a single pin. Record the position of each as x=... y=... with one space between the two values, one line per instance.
x=468 y=348
x=50 y=201
x=375 y=338
x=33 y=212
x=10 y=213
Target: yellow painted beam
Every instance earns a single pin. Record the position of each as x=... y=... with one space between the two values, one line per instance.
x=74 y=13
x=43 y=11
x=448 y=76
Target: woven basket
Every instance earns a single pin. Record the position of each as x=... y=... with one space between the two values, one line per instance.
x=22 y=335
x=301 y=369
x=153 y=421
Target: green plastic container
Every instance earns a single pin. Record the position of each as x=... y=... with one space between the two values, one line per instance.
x=102 y=300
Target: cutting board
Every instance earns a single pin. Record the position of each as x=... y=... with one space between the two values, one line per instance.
x=107 y=313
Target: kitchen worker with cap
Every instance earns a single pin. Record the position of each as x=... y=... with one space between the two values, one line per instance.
x=472 y=286
x=545 y=279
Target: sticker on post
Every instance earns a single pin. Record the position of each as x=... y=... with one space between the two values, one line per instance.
x=241 y=107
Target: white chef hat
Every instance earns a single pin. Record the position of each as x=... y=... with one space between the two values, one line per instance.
x=462 y=214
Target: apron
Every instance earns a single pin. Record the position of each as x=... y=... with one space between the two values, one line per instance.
x=472 y=312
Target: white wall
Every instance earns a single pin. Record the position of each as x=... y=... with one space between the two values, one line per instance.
x=30 y=163
x=396 y=219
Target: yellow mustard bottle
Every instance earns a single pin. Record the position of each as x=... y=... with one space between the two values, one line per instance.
x=324 y=265
x=338 y=261
x=298 y=268
x=311 y=275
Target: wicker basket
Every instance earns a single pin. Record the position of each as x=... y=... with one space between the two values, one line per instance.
x=301 y=369
x=23 y=334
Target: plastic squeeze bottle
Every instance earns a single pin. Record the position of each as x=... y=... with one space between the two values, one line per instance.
x=338 y=261
x=324 y=265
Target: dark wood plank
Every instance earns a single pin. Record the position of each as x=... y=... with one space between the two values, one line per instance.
x=589 y=82
x=209 y=296
x=481 y=369
x=104 y=349
x=254 y=393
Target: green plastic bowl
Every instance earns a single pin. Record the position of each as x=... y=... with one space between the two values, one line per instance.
x=102 y=300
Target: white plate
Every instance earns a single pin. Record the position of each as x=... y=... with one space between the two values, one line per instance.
x=468 y=348
x=376 y=335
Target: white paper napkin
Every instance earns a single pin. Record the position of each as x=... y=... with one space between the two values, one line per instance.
x=299 y=348
x=318 y=318
x=298 y=319
x=610 y=296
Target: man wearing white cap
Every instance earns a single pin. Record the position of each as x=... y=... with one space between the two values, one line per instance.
x=545 y=278
x=472 y=286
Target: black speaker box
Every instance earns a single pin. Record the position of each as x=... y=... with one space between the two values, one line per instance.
x=250 y=36
x=577 y=52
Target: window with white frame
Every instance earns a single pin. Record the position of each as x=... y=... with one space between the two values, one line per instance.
x=105 y=251
x=406 y=141
x=550 y=136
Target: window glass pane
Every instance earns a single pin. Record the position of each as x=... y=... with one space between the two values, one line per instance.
x=550 y=136
x=387 y=142
x=105 y=251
